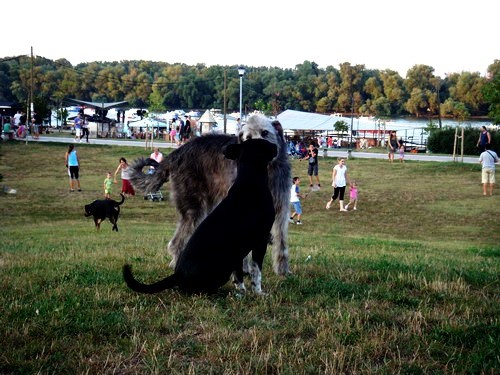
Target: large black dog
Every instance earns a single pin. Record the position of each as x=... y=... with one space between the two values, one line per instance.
x=104 y=208
x=239 y=224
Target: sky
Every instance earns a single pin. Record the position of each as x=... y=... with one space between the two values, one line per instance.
x=450 y=36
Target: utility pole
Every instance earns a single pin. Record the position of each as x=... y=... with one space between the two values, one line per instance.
x=30 y=100
x=225 y=83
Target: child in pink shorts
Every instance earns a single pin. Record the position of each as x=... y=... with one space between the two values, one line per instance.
x=353 y=195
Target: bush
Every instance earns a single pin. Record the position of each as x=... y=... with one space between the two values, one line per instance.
x=441 y=140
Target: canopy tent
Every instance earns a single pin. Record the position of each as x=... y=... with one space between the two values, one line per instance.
x=96 y=105
x=297 y=120
x=148 y=123
x=101 y=108
x=305 y=121
x=207 y=122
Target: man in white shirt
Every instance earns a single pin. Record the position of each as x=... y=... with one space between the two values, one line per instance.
x=157 y=156
x=488 y=158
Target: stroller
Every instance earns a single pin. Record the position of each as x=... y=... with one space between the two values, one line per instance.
x=156 y=196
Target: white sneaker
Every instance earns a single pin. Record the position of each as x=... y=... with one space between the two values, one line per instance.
x=299 y=222
x=343 y=210
x=347 y=206
x=354 y=208
x=328 y=205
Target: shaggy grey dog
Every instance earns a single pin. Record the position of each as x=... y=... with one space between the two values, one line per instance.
x=200 y=177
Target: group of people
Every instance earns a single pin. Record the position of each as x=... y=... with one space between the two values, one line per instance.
x=396 y=145
x=73 y=166
x=181 y=130
x=81 y=128
x=340 y=180
x=19 y=127
x=340 y=177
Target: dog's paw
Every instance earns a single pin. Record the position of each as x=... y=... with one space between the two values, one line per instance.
x=240 y=287
x=260 y=293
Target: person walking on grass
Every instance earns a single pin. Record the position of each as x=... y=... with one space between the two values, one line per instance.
x=339 y=182
x=73 y=167
x=78 y=128
x=488 y=158
x=108 y=186
x=125 y=170
x=295 y=196
x=393 y=145
x=312 y=169
x=353 y=196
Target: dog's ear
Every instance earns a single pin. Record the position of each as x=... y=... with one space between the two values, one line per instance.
x=232 y=151
x=277 y=126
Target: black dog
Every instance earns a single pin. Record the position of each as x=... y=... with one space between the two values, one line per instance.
x=104 y=208
x=239 y=224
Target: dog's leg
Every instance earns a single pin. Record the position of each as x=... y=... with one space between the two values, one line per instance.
x=247 y=264
x=237 y=278
x=178 y=242
x=186 y=226
x=256 y=267
x=97 y=223
x=114 y=222
x=279 y=233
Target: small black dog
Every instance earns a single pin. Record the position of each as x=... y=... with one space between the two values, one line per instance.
x=239 y=224
x=104 y=208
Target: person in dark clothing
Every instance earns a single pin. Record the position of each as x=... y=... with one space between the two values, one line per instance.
x=484 y=139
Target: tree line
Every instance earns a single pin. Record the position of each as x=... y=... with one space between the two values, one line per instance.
x=160 y=86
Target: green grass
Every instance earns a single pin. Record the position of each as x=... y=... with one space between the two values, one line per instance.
x=407 y=284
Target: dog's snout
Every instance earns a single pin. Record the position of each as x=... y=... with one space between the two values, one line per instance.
x=264 y=134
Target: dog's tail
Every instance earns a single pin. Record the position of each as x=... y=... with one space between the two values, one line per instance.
x=121 y=202
x=149 y=182
x=167 y=283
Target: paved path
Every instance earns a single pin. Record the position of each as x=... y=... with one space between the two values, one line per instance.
x=330 y=153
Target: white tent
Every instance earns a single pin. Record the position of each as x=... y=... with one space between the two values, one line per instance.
x=148 y=123
x=297 y=120
x=207 y=122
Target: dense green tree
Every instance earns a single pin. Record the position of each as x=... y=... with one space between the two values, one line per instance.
x=421 y=84
x=306 y=87
x=491 y=91
x=468 y=90
x=394 y=90
x=455 y=109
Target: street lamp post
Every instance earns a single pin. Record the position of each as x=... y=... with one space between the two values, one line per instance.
x=241 y=72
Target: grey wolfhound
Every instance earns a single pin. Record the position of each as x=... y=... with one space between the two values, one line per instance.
x=200 y=177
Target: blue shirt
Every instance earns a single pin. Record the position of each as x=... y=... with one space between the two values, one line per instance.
x=72 y=159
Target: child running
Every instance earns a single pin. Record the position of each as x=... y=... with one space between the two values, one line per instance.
x=295 y=196
x=353 y=195
x=108 y=184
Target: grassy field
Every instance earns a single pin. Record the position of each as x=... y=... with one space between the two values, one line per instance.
x=407 y=284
